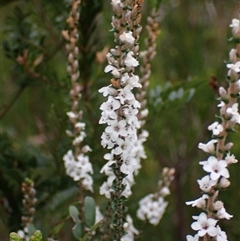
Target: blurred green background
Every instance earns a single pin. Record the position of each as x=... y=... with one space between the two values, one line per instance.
x=192 y=48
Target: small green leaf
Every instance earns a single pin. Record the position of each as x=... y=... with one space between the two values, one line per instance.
x=77 y=229
x=57 y=228
x=89 y=211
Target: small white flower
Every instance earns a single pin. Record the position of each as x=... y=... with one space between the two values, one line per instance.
x=125 y=95
x=209 y=147
x=200 y=202
x=127 y=38
x=131 y=61
x=230 y=159
x=129 y=229
x=216 y=128
x=235 y=28
x=221 y=235
x=235 y=67
x=107 y=90
x=115 y=72
x=205 y=225
x=106 y=140
x=222 y=214
x=116 y=128
x=191 y=238
x=215 y=167
x=233 y=111
x=151 y=209
x=235 y=23
x=206 y=184
x=109 y=107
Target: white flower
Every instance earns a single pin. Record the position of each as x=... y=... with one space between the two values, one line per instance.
x=235 y=67
x=133 y=82
x=206 y=184
x=205 y=225
x=129 y=229
x=123 y=147
x=106 y=188
x=131 y=61
x=221 y=235
x=106 y=140
x=115 y=72
x=127 y=38
x=151 y=209
x=200 y=202
x=125 y=95
x=98 y=214
x=107 y=90
x=233 y=111
x=109 y=107
x=191 y=238
x=222 y=214
x=230 y=159
x=131 y=115
x=216 y=128
x=235 y=28
x=215 y=167
x=209 y=147
x=235 y=23
x=116 y=129
x=79 y=169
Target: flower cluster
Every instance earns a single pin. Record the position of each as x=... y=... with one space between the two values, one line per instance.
x=76 y=161
x=153 y=206
x=219 y=155
x=119 y=111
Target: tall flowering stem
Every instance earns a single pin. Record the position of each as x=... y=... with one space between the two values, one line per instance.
x=147 y=56
x=29 y=201
x=120 y=110
x=219 y=153
x=76 y=160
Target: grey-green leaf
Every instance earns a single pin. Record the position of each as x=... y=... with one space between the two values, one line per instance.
x=89 y=211
x=77 y=229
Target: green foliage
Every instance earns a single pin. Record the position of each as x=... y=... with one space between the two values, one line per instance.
x=89 y=211
x=35 y=99
x=78 y=228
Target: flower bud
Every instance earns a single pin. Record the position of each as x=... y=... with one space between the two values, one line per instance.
x=222 y=92
x=236 y=32
x=228 y=146
x=233 y=56
x=70 y=58
x=217 y=205
x=224 y=182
